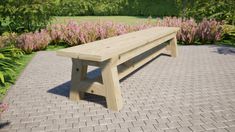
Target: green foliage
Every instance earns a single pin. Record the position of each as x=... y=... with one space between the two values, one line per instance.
x=24 y=15
x=73 y=8
x=116 y=7
x=228 y=35
x=212 y=9
x=158 y=8
x=8 y=62
x=23 y=60
x=198 y=9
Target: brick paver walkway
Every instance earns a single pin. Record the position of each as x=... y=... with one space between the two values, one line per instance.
x=193 y=92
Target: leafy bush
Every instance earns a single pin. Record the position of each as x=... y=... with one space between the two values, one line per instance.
x=56 y=33
x=30 y=42
x=8 y=62
x=206 y=31
x=211 y=9
x=73 y=8
x=26 y=15
x=187 y=33
x=116 y=7
x=3 y=107
x=228 y=36
x=75 y=34
x=209 y=31
x=7 y=39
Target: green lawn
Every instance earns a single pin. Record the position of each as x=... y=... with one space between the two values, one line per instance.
x=121 y=19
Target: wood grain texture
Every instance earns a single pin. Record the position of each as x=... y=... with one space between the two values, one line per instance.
x=124 y=70
x=105 y=49
x=91 y=87
x=173 y=47
x=111 y=83
x=78 y=74
x=139 y=50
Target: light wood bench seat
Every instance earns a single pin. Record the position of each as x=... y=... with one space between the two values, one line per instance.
x=117 y=57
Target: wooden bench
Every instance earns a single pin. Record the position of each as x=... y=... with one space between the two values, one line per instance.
x=117 y=57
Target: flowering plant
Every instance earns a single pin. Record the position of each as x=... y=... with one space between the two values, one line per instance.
x=75 y=34
x=3 y=107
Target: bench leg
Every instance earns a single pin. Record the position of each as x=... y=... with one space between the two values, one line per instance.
x=173 y=47
x=79 y=71
x=111 y=85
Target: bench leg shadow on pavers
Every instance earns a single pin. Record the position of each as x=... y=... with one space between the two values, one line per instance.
x=64 y=89
x=3 y=124
x=226 y=50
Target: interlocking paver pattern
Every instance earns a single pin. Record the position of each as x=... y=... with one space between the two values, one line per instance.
x=193 y=92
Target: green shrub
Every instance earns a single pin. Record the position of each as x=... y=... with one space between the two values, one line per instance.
x=7 y=39
x=72 y=34
x=197 y=9
x=8 y=62
x=73 y=8
x=24 y=15
x=116 y=7
x=211 y=9
x=229 y=35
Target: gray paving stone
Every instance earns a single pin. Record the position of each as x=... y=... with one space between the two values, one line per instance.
x=184 y=129
x=174 y=118
x=185 y=123
x=126 y=125
x=100 y=128
x=161 y=126
x=148 y=128
x=92 y=123
x=196 y=122
x=171 y=130
x=121 y=130
x=150 y=122
x=220 y=130
x=105 y=121
x=220 y=125
x=231 y=129
x=113 y=126
x=208 y=126
x=52 y=127
x=230 y=123
x=138 y=123
x=66 y=126
x=38 y=129
x=135 y=129
x=193 y=92
x=86 y=129
x=173 y=125
x=197 y=128
x=117 y=120
x=72 y=130
x=79 y=125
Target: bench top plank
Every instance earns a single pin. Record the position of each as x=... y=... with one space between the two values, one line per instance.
x=107 y=48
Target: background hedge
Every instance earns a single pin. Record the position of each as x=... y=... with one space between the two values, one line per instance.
x=116 y=7
x=24 y=15
x=31 y=15
x=198 y=9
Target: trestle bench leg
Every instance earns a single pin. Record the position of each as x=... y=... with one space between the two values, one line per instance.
x=173 y=47
x=111 y=84
x=79 y=71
